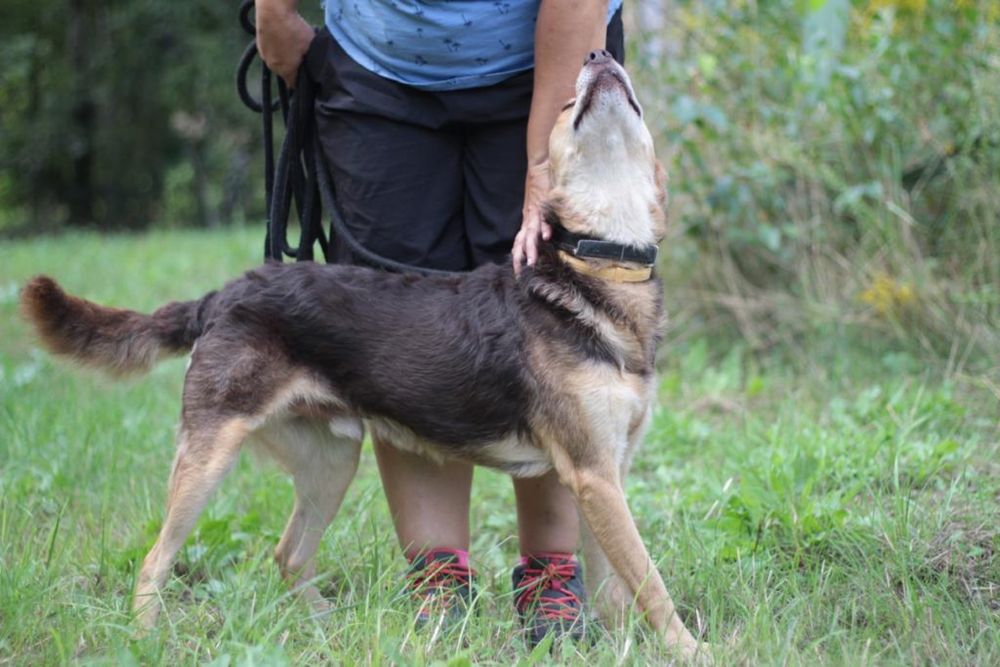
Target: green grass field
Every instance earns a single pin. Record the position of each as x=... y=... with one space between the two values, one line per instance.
x=838 y=505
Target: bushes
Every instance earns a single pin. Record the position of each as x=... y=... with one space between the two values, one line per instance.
x=833 y=164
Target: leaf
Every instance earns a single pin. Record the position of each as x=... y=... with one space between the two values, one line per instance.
x=824 y=32
x=707 y=64
x=539 y=653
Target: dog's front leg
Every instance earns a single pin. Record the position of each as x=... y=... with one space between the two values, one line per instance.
x=610 y=597
x=608 y=594
x=599 y=494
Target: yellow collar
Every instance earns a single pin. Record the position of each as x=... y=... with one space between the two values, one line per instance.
x=613 y=272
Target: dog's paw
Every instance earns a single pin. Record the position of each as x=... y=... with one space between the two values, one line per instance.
x=694 y=652
x=320 y=606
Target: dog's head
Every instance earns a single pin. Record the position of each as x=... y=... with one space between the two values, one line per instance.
x=606 y=181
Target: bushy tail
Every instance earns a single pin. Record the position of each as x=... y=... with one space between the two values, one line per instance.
x=120 y=342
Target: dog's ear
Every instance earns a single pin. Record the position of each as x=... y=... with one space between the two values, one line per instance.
x=659 y=212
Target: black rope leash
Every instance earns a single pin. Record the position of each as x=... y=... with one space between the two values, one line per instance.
x=300 y=174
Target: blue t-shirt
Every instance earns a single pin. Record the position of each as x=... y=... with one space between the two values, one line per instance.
x=439 y=45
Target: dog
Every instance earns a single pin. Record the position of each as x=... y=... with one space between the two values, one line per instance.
x=549 y=369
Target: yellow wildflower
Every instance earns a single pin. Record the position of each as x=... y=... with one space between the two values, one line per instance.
x=913 y=6
x=886 y=295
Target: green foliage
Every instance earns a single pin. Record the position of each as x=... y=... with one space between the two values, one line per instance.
x=817 y=146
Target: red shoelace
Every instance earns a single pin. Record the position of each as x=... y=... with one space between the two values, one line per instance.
x=437 y=574
x=563 y=605
x=439 y=577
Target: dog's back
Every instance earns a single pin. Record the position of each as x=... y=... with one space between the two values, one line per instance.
x=399 y=346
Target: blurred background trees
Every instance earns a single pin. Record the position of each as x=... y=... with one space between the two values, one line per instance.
x=831 y=161
x=121 y=114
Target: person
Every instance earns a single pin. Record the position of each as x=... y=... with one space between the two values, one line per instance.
x=434 y=120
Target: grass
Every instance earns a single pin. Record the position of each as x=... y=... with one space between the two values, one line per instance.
x=834 y=506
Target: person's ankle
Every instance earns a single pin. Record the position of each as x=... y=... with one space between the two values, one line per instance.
x=528 y=556
x=549 y=595
x=459 y=557
x=442 y=583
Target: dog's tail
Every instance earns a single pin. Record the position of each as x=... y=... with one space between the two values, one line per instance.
x=121 y=342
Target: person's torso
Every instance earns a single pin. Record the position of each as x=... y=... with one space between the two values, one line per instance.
x=439 y=45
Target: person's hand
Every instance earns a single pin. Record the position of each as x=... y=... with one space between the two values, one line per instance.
x=533 y=227
x=283 y=37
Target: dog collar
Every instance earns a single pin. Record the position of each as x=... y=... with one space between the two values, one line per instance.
x=615 y=272
x=580 y=245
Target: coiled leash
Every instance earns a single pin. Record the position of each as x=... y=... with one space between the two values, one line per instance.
x=300 y=174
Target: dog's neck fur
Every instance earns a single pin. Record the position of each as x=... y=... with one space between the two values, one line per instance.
x=614 y=190
x=608 y=224
x=628 y=315
x=616 y=220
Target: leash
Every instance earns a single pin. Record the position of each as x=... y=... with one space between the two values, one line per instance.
x=300 y=174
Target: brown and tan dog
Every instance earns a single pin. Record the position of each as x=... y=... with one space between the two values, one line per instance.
x=554 y=368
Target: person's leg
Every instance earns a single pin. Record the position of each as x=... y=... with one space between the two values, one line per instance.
x=429 y=501
x=396 y=172
x=398 y=182
x=547 y=519
x=494 y=166
x=392 y=182
x=398 y=187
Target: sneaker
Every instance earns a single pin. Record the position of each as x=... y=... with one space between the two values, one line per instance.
x=440 y=580
x=549 y=596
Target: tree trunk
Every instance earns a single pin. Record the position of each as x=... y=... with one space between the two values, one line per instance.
x=80 y=194
x=205 y=218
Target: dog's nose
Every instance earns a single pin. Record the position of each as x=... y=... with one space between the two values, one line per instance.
x=600 y=57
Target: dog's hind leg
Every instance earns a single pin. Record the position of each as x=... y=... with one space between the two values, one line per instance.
x=322 y=465
x=205 y=453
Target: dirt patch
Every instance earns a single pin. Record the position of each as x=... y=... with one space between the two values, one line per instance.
x=966 y=553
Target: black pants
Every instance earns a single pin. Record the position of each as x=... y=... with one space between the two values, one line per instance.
x=427 y=178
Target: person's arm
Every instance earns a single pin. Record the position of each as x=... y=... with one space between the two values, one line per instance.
x=283 y=36
x=567 y=30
